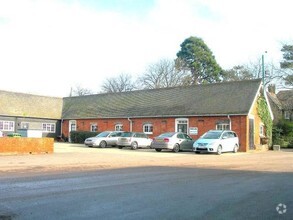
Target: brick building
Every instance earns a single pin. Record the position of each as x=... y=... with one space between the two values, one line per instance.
x=191 y=109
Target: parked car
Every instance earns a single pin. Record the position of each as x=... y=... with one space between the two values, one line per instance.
x=104 y=139
x=174 y=141
x=134 y=140
x=217 y=141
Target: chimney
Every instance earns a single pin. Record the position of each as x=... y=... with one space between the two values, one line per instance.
x=272 y=89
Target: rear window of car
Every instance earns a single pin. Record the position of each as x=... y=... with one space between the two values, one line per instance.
x=140 y=135
x=169 y=134
x=127 y=134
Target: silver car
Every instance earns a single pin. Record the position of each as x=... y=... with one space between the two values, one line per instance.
x=104 y=139
x=175 y=141
x=217 y=141
x=134 y=140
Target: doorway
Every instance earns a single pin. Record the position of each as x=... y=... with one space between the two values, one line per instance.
x=181 y=125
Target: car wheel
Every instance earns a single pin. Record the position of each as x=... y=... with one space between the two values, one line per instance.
x=219 y=150
x=235 y=149
x=134 y=145
x=197 y=152
x=120 y=147
x=158 y=150
x=176 y=148
x=103 y=144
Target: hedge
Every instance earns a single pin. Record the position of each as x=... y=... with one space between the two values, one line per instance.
x=80 y=136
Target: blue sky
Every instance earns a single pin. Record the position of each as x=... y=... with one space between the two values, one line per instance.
x=50 y=46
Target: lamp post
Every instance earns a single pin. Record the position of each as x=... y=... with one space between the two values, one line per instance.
x=263 y=71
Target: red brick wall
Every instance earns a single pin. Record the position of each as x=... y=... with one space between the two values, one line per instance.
x=19 y=145
x=161 y=125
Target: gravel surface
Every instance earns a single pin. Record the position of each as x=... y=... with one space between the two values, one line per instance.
x=77 y=157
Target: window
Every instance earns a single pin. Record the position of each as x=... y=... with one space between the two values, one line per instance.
x=119 y=127
x=287 y=115
x=181 y=125
x=6 y=125
x=261 y=130
x=223 y=126
x=148 y=128
x=94 y=127
x=49 y=127
x=24 y=125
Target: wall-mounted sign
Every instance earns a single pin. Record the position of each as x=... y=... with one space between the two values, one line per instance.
x=193 y=130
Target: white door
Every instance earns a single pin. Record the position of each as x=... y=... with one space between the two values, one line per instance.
x=72 y=127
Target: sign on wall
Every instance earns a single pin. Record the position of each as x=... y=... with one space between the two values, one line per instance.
x=193 y=130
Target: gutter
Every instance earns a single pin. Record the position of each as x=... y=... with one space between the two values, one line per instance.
x=230 y=122
x=159 y=116
x=130 y=124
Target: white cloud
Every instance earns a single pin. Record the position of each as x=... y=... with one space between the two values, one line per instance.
x=49 y=46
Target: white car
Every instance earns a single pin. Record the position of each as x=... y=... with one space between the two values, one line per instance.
x=134 y=140
x=217 y=141
x=104 y=139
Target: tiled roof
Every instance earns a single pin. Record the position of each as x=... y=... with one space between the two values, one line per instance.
x=210 y=99
x=286 y=98
x=27 y=105
x=274 y=99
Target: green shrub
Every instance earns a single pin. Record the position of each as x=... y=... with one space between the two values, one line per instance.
x=80 y=136
x=283 y=134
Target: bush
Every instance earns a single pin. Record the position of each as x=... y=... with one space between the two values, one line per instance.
x=283 y=134
x=80 y=136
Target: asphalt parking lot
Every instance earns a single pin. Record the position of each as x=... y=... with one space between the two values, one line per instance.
x=73 y=157
x=77 y=182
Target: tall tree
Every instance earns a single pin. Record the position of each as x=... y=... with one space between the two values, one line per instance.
x=287 y=64
x=162 y=74
x=200 y=61
x=122 y=83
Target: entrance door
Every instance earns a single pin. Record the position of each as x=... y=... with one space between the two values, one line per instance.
x=182 y=125
x=72 y=127
x=251 y=134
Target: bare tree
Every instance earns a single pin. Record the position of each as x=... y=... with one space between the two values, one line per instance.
x=237 y=73
x=122 y=83
x=253 y=70
x=162 y=74
x=80 y=91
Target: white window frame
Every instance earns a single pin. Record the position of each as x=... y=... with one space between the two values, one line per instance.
x=7 y=125
x=182 y=121
x=119 y=127
x=94 y=127
x=49 y=127
x=148 y=128
x=287 y=115
x=223 y=126
x=261 y=130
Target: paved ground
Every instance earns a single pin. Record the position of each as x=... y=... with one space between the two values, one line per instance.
x=90 y=183
x=73 y=157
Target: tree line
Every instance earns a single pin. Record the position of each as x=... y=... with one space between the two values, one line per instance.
x=196 y=64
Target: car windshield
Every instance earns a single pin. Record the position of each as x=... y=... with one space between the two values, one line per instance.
x=169 y=134
x=212 y=135
x=127 y=134
x=103 y=134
